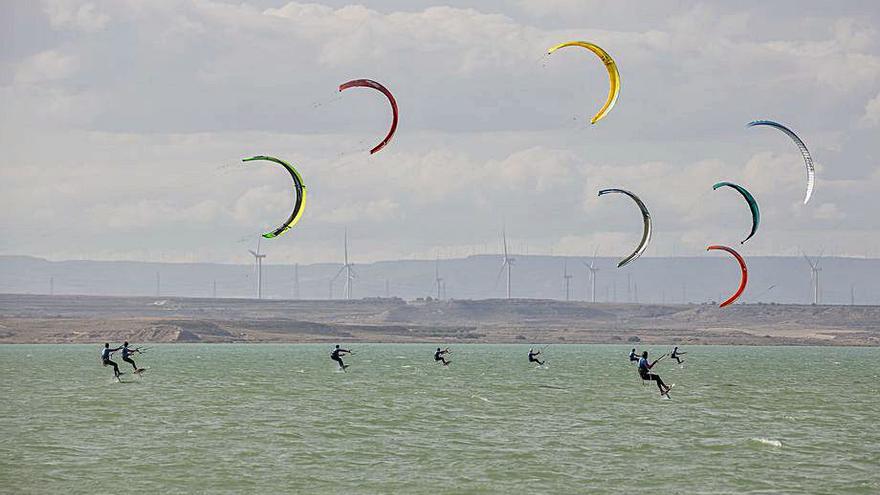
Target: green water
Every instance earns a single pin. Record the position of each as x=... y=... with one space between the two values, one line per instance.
x=279 y=419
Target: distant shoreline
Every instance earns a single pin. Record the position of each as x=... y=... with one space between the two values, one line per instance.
x=34 y=319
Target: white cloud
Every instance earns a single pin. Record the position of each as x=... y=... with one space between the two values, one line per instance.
x=829 y=211
x=872 y=112
x=356 y=35
x=76 y=14
x=380 y=210
x=144 y=125
x=50 y=65
x=147 y=213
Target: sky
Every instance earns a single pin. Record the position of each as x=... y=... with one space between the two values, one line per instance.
x=123 y=123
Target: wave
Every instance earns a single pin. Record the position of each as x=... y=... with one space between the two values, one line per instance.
x=767 y=441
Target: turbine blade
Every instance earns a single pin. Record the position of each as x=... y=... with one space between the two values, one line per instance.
x=500 y=272
x=337 y=274
x=810 y=262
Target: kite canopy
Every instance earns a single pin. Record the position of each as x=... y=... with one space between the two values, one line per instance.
x=808 y=159
x=753 y=206
x=367 y=83
x=744 y=279
x=298 y=187
x=646 y=218
x=613 y=75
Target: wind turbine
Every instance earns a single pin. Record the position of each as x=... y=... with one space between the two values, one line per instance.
x=592 y=269
x=438 y=280
x=814 y=276
x=348 y=268
x=567 y=278
x=258 y=260
x=506 y=262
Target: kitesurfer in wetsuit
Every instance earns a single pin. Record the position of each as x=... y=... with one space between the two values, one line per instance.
x=438 y=356
x=106 y=352
x=533 y=357
x=336 y=355
x=633 y=356
x=676 y=353
x=645 y=372
x=126 y=355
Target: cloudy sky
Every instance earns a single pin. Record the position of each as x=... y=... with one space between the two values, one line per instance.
x=122 y=123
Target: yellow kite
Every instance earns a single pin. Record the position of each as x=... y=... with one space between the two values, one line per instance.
x=613 y=74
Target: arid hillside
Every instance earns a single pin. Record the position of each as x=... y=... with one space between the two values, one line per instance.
x=81 y=319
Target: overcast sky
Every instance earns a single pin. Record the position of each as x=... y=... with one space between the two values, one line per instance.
x=122 y=123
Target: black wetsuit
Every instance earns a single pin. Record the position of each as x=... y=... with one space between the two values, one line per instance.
x=336 y=356
x=105 y=359
x=633 y=356
x=126 y=352
x=438 y=356
x=644 y=372
x=674 y=355
x=533 y=358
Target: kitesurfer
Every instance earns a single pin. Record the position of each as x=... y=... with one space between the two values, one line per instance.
x=533 y=357
x=633 y=356
x=337 y=354
x=438 y=356
x=676 y=353
x=645 y=372
x=106 y=352
x=126 y=355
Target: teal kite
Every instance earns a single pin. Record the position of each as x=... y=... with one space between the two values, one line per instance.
x=753 y=206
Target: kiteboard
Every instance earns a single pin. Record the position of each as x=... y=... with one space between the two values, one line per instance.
x=139 y=371
x=666 y=394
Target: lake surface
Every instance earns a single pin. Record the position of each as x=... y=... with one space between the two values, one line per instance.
x=280 y=419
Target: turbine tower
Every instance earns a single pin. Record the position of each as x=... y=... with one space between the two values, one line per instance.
x=592 y=269
x=348 y=268
x=258 y=261
x=438 y=280
x=814 y=277
x=506 y=262
x=567 y=279
x=628 y=287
